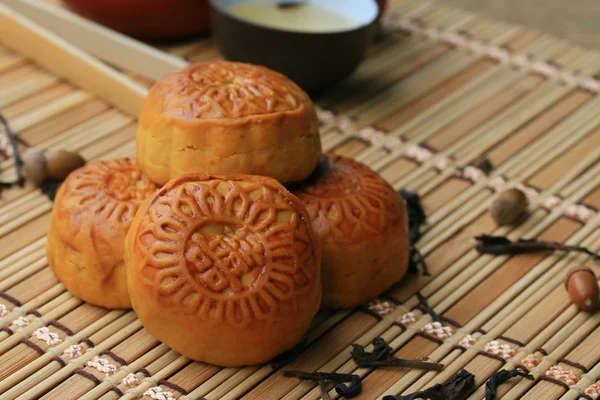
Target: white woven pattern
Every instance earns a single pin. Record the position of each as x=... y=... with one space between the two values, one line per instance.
x=130 y=380
x=497 y=184
x=467 y=342
x=552 y=202
x=20 y=322
x=472 y=173
x=499 y=349
x=418 y=153
x=381 y=307
x=580 y=212
x=436 y=329
x=407 y=318
x=158 y=393
x=593 y=391
x=530 y=361
x=371 y=135
x=565 y=376
x=102 y=365
x=49 y=337
x=73 y=351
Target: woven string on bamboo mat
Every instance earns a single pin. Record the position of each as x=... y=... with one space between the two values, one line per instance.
x=441 y=90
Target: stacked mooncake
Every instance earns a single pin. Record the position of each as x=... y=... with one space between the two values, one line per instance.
x=223 y=263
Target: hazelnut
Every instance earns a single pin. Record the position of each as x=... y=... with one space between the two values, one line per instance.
x=62 y=162
x=508 y=206
x=35 y=167
x=583 y=288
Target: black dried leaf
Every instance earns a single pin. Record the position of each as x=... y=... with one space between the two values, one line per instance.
x=416 y=218
x=501 y=377
x=402 y=363
x=290 y=4
x=49 y=187
x=424 y=306
x=416 y=215
x=416 y=262
x=290 y=355
x=20 y=181
x=350 y=390
x=381 y=357
x=381 y=352
x=484 y=164
x=455 y=388
x=501 y=245
x=488 y=240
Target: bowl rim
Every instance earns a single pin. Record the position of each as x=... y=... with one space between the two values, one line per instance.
x=216 y=6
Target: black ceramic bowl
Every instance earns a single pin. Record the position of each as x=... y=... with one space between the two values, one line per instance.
x=314 y=60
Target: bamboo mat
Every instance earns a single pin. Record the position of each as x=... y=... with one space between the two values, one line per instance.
x=439 y=90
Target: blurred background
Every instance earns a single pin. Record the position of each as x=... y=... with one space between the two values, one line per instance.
x=577 y=20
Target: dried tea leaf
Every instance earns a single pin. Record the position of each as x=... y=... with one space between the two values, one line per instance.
x=348 y=391
x=16 y=155
x=501 y=377
x=455 y=388
x=416 y=214
x=501 y=245
x=381 y=357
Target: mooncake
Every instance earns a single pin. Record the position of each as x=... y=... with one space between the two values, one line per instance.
x=221 y=116
x=224 y=268
x=92 y=212
x=362 y=225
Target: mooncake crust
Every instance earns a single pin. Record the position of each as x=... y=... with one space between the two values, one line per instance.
x=227 y=117
x=224 y=268
x=362 y=225
x=91 y=215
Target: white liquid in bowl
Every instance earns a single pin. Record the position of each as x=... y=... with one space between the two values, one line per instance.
x=307 y=17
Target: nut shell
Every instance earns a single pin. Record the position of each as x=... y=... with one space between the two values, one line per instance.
x=582 y=286
x=60 y=163
x=507 y=207
x=35 y=168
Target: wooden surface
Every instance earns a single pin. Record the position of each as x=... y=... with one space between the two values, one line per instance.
x=436 y=107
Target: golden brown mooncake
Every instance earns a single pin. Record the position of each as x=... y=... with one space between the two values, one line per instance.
x=362 y=224
x=224 y=268
x=221 y=116
x=92 y=212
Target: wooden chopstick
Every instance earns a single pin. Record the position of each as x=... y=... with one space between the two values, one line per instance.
x=104 y=43
x=68 y=61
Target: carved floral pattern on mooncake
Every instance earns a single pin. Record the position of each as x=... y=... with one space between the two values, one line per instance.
x=230 y=90
x=352 y=201
x=229 y=250
x=111 y=189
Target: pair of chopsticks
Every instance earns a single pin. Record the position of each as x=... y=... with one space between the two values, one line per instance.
x=72 y=47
